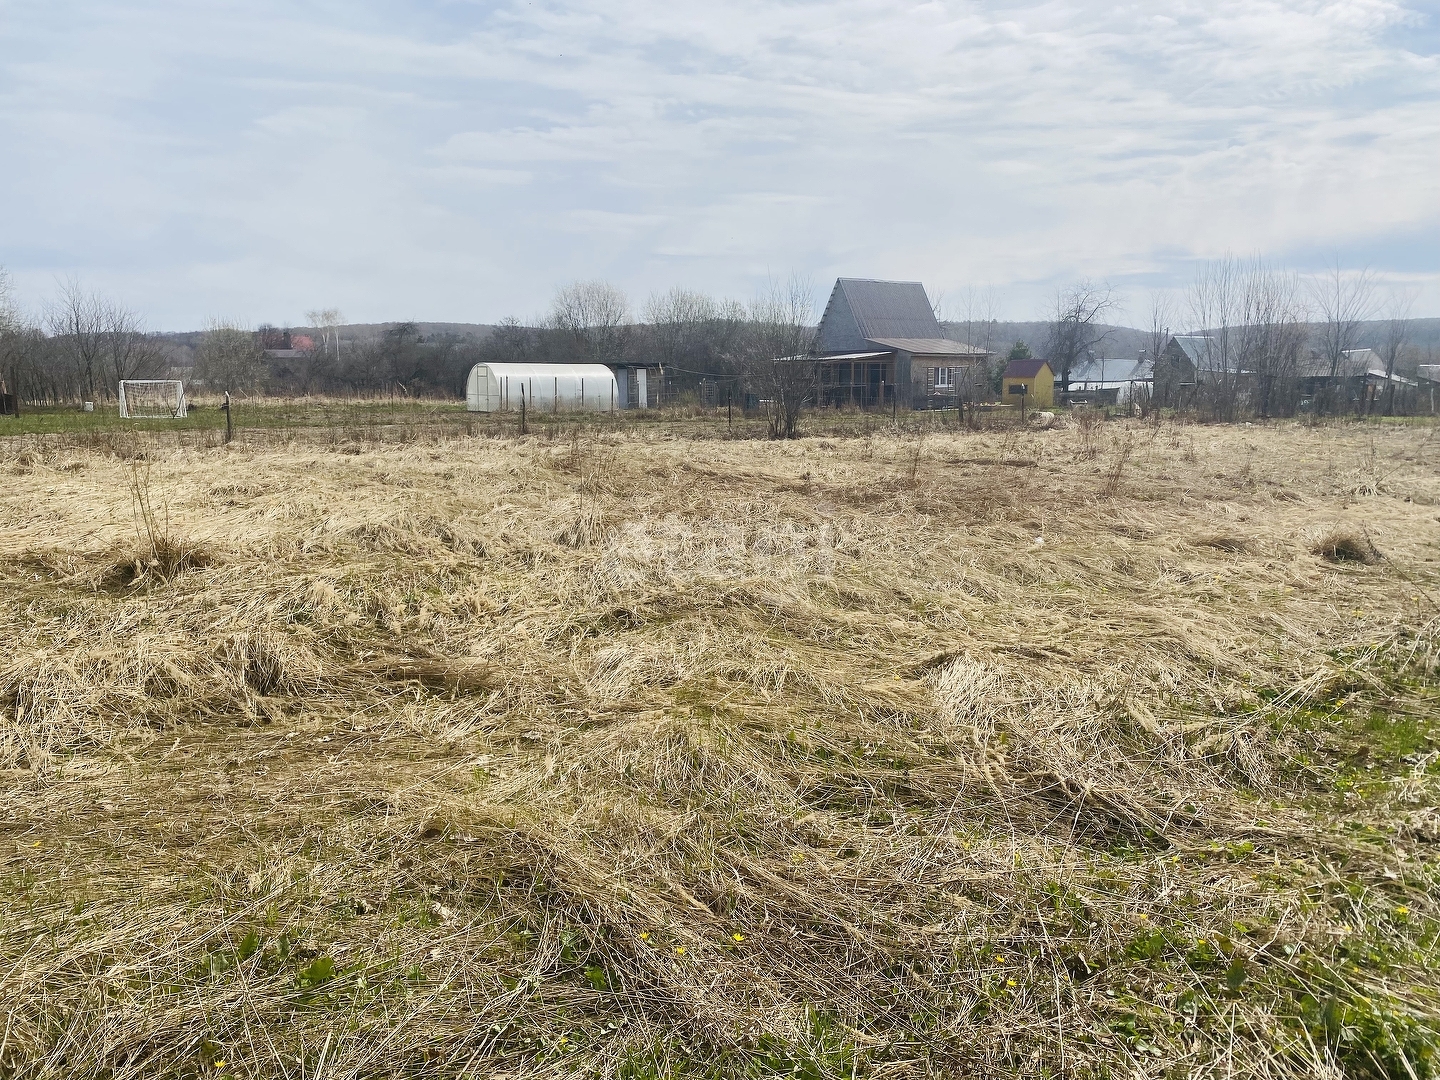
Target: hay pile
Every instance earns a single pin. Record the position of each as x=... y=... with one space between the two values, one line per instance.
x=652 y=756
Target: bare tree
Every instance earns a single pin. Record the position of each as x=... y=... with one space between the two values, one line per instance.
x=1076 y=325
x=678 y=320
x=989 y=311
x=778 y=353
x=76 y=320
x=1162 y=318
x=1273 y=331
x=103 y=343
x=230 y=358
x=1397 y=336
x=978 y=308
x=1216 y=302
x=328 y=321
x=10 y=333
x=9 y=309
x=1343 y=302
x=127 y=351
x=594 y=314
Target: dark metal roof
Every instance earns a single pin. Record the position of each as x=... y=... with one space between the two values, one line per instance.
x=1207 y=353
x=1024 y=369
x=862 y=310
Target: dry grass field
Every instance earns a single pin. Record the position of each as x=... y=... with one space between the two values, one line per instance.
x=1103 y=750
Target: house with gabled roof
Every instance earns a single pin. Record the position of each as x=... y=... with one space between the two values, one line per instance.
x=1356 y=382
x=880 y=344
x=1190 y=361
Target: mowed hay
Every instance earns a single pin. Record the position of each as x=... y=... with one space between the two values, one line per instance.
x=647 y=755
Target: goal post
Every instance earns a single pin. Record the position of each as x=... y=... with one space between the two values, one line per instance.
x=151 y=399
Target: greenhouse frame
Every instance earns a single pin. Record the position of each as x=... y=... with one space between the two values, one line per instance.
x=543 y=387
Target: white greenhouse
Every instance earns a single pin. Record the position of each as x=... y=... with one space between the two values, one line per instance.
x=544 y=387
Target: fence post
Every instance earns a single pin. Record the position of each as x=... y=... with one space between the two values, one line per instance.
x=226 y=406
x=522 y=408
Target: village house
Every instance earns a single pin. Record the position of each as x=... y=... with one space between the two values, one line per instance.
x=1356 y=384
x=1190 y=361
x=1428 y=377
x=879 y=344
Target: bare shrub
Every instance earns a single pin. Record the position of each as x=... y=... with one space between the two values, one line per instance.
x=163 y=555
x=1346 y=543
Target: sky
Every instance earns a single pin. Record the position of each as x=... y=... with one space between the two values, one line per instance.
x=457 y=161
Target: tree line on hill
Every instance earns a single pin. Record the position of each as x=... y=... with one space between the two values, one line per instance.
x=1267 y=325
x=85 y=345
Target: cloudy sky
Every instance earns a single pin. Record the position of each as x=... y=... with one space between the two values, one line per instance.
x=456 y=160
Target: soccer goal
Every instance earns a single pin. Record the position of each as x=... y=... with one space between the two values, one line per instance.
x=144 y=399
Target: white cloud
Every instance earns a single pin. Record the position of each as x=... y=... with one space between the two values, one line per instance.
x=456 y=161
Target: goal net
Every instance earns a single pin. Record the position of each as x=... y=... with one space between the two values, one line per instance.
x=152 y=398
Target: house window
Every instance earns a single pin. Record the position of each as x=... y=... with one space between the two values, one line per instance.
x=1017 y=388
x=944 y=378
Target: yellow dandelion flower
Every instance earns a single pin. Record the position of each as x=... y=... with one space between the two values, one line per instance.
x=999 y=959
x=738 y=937
x=220 y=1064
x=679 y=950
x=1142 y=915
x=1009 y=982
x=1402 y=910
x=645 y=936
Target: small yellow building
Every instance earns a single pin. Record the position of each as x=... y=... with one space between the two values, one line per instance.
x=1030 y=383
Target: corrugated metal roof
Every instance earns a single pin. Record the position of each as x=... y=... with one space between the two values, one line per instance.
x=928 y=346
x=861 y=309
x=1024 y=369
x=1104 y=372
x=1354 y=364
x=1208 y=353
x=1200 y=349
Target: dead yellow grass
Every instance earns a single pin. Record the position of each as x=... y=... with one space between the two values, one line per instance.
x=1014 y=753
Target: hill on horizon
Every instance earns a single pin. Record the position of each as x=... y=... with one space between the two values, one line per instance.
x=1120 y=341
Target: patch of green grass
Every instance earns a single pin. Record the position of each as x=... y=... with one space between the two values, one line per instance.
x=67 y=419
x=355 y=417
